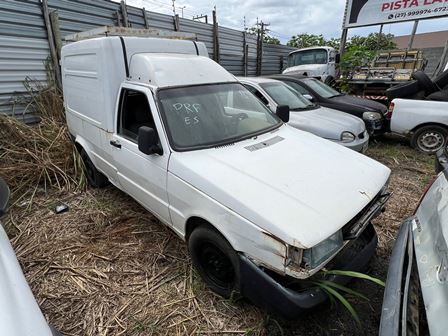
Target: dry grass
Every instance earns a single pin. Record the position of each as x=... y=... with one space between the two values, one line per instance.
x=42 y=155
x=107 y=267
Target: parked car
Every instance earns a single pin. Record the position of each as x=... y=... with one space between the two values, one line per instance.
x=261 y=205
x=19 y=313
x=424 y=122
x=373 y=113
x=419 y=267
x=333 y=125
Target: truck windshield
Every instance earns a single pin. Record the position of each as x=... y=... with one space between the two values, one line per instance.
x=320 y=88
x=285 y=95
x=211 y=115
x=314 y=56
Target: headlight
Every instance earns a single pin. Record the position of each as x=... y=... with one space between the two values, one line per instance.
x=315 y=256
x=371 y=116
x=347 y=137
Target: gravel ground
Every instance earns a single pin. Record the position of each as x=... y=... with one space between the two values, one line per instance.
x=107 y=267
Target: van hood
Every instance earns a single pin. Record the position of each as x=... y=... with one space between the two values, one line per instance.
x=310 y=70
x=326 y=122
x=299 y=187
x=19 y=313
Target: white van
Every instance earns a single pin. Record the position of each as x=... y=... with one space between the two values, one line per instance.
x=257 y=201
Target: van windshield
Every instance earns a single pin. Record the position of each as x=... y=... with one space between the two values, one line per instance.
x=313 y=56
x=211 y=115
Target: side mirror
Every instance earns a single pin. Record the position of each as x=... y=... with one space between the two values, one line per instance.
x=4 y=196
x=337 y=59
x=308 y=96
x=283 y=112
x=148 y=141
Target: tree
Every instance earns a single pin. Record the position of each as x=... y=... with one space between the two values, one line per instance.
x=266 y=37
x=369 y=42
x=307 y=40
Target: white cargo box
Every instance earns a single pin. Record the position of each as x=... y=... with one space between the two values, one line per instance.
x=94 y=69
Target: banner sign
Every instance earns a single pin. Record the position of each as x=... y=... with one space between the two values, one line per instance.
x=373 y=12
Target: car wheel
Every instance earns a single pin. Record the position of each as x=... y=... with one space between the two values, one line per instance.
x=425 y=82
x=429 y=139
x=95 y=178
x=215 y=260
x=442 y=79
x=403 y=90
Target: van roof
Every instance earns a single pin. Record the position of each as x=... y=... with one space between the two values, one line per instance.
x=167 y=70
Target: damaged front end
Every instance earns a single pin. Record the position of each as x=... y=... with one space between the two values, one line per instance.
x=291 y=293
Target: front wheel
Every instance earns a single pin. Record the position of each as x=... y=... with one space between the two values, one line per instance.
x=429 y=139
x=215 y=260
x=95 y=178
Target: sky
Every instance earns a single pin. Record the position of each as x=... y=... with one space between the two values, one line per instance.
x=286 y=18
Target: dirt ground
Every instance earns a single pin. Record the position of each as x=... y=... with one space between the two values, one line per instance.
x=107 y=267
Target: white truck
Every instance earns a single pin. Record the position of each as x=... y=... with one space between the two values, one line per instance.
x=425 y=122
x=256 y=200
x=317 y=62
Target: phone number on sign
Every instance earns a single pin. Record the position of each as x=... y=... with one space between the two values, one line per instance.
x=418 y=12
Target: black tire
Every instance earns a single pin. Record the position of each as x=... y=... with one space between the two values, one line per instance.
x=425 y=82
x=442 y=79
x=439 y=95
x=403 y=90
x=330 y=81
x=95 y=178
x=429 y=139
x=215 y=260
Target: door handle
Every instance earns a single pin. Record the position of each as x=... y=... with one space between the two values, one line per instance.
x=115 y=143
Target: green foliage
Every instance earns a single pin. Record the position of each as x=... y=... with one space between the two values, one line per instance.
x=356 y=56
x=334 y=290
x=266 y=37
x=307 y=40
x=369 y=42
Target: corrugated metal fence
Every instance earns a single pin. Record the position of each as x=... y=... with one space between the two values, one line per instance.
x=24 y=48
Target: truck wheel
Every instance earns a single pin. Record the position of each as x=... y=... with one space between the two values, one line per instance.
x=429 y=139
x=330 y=81
x=403 y=90
x=442 y=79
x=215 y=260
x=425 y=82
x=95 y=178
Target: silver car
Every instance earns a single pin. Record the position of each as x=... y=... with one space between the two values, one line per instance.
x=19 y=313
x=339 y=127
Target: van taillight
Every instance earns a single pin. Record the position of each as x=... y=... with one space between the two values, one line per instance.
x=390 y=110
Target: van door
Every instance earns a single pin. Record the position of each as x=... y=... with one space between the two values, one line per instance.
x=141 y=176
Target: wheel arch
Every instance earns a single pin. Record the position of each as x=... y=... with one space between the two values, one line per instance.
x=416 y=128
x=195 y=221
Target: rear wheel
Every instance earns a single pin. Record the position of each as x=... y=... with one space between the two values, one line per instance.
x=215 y=260
x=95 y=178
x=429 y=139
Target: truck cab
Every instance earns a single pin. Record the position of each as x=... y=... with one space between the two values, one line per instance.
x=317 y=62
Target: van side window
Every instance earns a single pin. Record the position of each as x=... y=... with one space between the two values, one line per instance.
x=257 y=93
x=134 y=112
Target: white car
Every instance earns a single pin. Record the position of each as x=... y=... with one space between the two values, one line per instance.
x=259 y=203
x=337 y=126
x=19 y=313
x=424 y=121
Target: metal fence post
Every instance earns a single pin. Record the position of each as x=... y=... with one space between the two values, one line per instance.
x=245 y=55
x=216 y=53
x=54 y=54
x=124 y=13
x=145 y=17
x=54 y=20
x=176 y=22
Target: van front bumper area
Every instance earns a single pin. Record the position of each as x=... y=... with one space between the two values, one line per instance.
x=271 y=295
